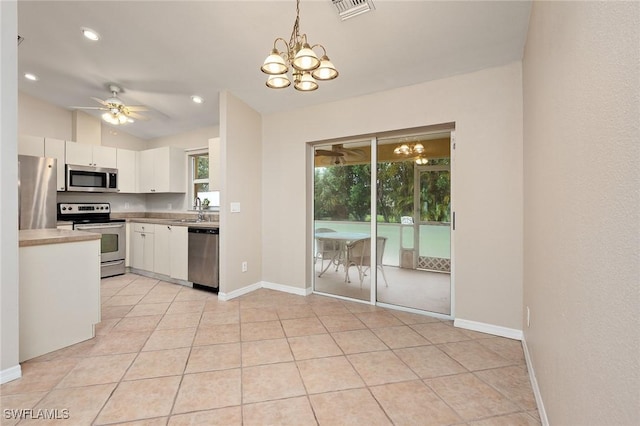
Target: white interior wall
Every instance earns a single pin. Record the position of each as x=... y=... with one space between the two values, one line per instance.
x=487 y=109
x=241 y=176
x=9 y=333
x=198 y=138
x=582 y=209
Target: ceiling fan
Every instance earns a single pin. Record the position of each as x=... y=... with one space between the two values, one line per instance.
x=116 y=111
x=338 y=154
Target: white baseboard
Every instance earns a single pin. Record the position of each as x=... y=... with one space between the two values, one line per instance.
x=287 y=288
x=11 y=373
x=534 y=385
x=239 y=292
x=482 y=327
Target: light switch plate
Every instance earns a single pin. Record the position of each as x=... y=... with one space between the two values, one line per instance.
x=235 y=207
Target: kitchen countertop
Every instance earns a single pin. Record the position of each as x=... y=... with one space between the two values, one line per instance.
x=38 y=237
x=175 y=222
x=170 y=218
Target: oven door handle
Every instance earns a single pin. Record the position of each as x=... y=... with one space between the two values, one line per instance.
x=86 y=227
x=112 y=263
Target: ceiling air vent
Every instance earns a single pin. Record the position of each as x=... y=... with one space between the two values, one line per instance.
x=350 y=8
x=20 y=39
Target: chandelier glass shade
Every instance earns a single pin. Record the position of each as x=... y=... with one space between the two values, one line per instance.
x=415 y=150
x=298 y=58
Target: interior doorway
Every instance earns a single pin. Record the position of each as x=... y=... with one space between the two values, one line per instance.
x=394 y=251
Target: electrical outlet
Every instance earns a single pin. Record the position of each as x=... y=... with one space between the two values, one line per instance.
x=245 y=266
x=126 y=206
x=169 y=206
x=528 y=317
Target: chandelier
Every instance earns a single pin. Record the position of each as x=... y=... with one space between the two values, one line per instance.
x=299 y=58
x=416 y=150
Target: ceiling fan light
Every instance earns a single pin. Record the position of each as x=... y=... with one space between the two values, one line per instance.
x=306 y=59
x=326 y=70
x=122 y=119
x=306 y=83
x=274 y=64
x=279 y=81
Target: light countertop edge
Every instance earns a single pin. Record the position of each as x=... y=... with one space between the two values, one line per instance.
x=38 y=237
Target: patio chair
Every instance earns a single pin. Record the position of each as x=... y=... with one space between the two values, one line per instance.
x=359 y=255
x=327 y=249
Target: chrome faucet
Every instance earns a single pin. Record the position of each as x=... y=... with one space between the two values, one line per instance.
x=198 y=206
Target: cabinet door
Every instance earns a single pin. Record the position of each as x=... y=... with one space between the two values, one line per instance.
x=137 y=250
x=79 y=154
x=161 y=257
x=177 y=170
x=104 y=156
x=146 y=171
x=162 y=179
x=55 y=148
x=30 y=145
x=179 y=249
x=149 y=247
x=126 y=170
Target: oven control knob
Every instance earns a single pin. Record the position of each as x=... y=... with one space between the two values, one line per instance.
x=64 y=208
x=70 y=208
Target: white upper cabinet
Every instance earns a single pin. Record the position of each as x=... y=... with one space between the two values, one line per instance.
x=127 y=170
x=91 y=155
x=162 y=170
x=56 y=148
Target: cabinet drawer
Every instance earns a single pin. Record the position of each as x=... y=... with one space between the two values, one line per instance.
x=143 y=227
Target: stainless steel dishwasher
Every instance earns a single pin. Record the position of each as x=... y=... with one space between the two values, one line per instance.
x=203 y=257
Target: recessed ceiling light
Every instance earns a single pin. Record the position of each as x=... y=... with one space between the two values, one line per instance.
x=90 y=34
x=197 y=99
x=31 y=77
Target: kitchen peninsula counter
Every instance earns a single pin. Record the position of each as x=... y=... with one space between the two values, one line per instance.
x=168 y=218
x=38 y=237
x=59 y=289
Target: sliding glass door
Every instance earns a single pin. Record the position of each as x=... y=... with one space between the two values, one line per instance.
x=401 y=245
x=342 y=216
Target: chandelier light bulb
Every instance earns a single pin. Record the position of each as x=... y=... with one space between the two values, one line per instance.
x=278 y=81
x=418 y=148
x=306 y=59
x=274 y=64
x=326 y=70
x=306 y=83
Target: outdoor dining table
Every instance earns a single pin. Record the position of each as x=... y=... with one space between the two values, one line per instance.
x=343 y=238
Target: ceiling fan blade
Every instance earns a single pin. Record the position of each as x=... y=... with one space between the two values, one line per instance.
x=136 y=116
x=328 y=153
x=84 y=107
x=100 y=101
x=137 y=108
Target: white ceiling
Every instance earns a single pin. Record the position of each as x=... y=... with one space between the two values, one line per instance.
x=162 y=52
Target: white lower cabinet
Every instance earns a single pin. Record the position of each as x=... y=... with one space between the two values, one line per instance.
x=171 y=251
x=142 y=246
x=179 y=248
x=161 y=249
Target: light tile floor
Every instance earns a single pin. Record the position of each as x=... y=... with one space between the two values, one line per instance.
x=170 y=355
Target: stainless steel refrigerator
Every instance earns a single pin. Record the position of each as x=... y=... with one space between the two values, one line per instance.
x=37 y=192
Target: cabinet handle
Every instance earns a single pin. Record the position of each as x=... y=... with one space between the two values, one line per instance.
x=168 y=227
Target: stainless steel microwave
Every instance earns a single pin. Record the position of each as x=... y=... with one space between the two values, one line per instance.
x=91 y=179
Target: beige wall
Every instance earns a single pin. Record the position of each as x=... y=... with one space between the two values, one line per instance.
x=198 y=138
x=487 y=109
x=9 y=367
x=241 y=175
x=86 y=128
x=582 y=221
x=39 y=118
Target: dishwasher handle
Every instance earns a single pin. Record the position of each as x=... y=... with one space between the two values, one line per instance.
x=211 y=231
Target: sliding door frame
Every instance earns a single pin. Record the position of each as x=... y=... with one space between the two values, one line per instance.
x=373 y=141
